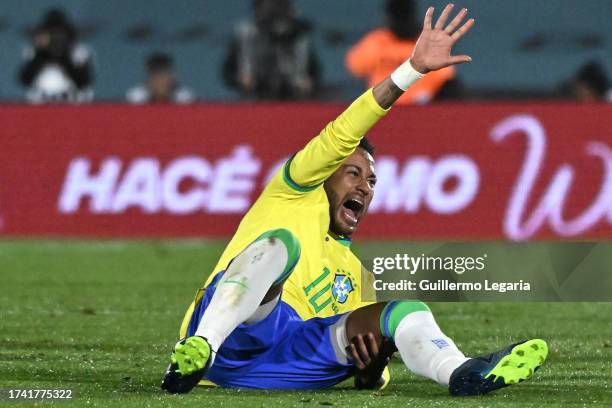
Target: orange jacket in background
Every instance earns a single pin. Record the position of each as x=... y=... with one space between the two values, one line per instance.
x=380 y=52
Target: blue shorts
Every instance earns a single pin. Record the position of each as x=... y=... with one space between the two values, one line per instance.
x=280 y=352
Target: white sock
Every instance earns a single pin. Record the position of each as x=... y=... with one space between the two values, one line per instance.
x=262 y=311
x=241 y=289
x=425 y=350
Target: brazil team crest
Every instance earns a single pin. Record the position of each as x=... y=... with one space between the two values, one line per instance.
x=342 y=287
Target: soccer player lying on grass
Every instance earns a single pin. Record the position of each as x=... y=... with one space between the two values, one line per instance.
x=283 y=309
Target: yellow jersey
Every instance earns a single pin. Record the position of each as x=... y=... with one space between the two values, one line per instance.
x=327 y=279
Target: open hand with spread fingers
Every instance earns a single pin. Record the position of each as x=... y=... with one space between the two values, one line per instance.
x=434 y=46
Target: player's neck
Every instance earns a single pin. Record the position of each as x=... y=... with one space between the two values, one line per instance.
x=339 y=237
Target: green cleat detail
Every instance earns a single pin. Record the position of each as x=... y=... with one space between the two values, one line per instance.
x=190 y=359
x=483 y=374
x=191 y=356
x=521 y=363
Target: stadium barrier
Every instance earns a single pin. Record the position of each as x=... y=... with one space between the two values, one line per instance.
x=462 y=172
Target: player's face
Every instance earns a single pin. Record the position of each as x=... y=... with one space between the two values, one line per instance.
x=349 y=192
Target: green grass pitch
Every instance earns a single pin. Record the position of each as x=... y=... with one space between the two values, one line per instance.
x=100 y=317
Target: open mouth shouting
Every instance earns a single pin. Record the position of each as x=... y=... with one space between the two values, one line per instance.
x=351 y=210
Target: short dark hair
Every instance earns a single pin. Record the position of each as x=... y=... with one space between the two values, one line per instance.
x=367 y=146
x=159 y=61
x=56 y=19
x=403 y=18
x=594 y=76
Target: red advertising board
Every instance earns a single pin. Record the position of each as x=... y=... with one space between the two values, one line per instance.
x=461 y=172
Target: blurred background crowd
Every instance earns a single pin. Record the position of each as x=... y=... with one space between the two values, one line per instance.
x=150 y=51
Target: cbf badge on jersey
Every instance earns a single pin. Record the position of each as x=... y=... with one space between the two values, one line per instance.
x=342 y=287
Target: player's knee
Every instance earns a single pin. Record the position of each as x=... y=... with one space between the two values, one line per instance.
x=286 y=238
x=394 y=312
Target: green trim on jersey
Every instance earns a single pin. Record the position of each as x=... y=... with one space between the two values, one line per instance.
x=293 y=184
x=293 y=249
x=344 y=241
x=395 y=311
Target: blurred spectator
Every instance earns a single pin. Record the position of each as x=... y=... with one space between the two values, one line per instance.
x=161 y=86
x=271 y=57
x=382 y=50
x=57 y=68
x=591 y=84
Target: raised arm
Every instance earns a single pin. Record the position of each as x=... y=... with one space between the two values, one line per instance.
x=312 y=165
x=431 y=53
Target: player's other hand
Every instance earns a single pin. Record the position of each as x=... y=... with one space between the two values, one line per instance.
x=370 y=360
x=434 y=46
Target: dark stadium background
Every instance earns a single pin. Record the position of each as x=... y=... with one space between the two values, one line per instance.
x=520 y=48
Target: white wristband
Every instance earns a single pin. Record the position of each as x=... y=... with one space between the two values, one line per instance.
x=405 y=75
